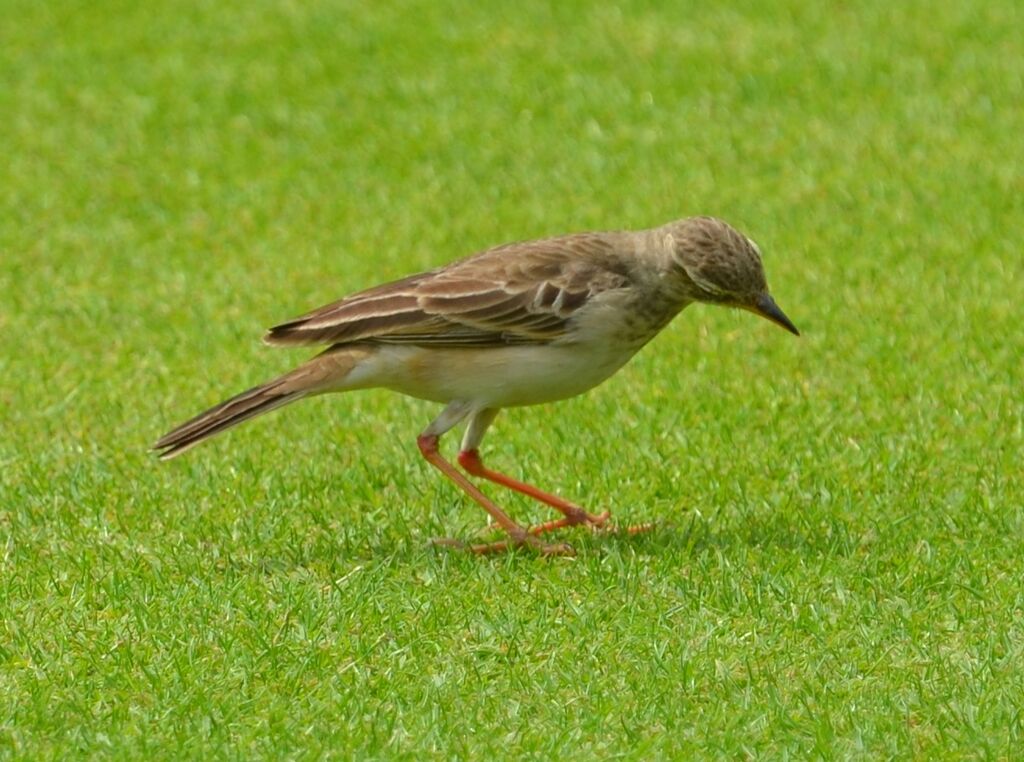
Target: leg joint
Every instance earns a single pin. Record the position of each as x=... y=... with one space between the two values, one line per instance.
x=427 y=444
x=470 y=460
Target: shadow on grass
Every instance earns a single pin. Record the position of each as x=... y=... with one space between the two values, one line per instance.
x=697 y=534
x=332 y=544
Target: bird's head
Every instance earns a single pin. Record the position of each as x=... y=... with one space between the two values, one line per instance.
x=724 y=267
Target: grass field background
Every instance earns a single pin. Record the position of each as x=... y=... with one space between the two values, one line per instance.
x=837 y=569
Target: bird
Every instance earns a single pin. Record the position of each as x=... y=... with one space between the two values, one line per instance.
x=514 y=325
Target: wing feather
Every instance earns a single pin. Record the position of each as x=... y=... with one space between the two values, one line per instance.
x=512 y=294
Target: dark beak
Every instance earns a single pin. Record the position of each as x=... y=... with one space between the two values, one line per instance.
x=767 y=308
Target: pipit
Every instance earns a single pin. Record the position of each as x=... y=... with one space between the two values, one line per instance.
x=518 y=324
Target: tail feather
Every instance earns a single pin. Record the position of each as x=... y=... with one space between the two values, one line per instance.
x=242 y=407
x=325 y=372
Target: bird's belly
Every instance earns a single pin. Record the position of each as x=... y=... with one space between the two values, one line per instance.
x=496 y=376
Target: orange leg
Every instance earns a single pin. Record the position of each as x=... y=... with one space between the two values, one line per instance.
x=574 y=514
x=517 y=534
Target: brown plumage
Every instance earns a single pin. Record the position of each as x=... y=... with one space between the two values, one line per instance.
x=311 y=378
x=516 y=293
x=518 y=324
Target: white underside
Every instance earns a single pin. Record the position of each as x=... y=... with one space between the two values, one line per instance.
x=492 y=377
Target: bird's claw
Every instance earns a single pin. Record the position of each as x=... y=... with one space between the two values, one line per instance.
x=597 y=523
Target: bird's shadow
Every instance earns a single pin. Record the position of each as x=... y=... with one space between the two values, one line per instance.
x=697 y=533
x=692 y=535
x=803 y=531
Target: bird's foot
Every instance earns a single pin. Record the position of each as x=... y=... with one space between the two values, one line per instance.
x=577 y=517
x=594 y=522
x=571 y=519
x=503 y=546
x=598 y=523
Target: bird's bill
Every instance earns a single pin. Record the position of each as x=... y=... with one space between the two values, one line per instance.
x=767 y=308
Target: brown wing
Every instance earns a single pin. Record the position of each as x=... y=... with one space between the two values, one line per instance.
x=522 y=293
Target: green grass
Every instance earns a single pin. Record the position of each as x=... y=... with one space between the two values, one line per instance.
x=837 y=571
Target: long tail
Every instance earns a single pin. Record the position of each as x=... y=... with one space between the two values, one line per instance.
x=322 y=373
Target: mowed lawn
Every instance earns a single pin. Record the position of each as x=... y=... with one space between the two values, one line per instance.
x=838 y=564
